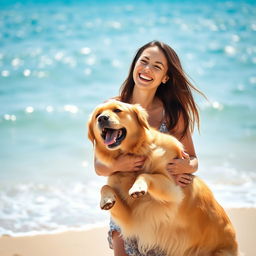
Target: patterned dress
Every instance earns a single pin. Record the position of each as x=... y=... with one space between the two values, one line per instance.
x=131 y=245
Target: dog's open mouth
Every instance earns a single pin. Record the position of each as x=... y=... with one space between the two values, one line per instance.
x=113 y=137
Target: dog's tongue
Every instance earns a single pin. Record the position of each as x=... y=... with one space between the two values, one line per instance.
x=111 y=137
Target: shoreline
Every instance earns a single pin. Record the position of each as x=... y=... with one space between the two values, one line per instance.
x=57 y=231
x=94 y=240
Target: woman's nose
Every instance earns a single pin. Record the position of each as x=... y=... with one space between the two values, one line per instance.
x=147 y=68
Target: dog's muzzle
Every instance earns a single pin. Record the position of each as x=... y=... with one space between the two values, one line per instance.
x=112 y=137
x=103 y=121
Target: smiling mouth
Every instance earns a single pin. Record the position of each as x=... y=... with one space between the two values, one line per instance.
x=145 y=78
x=113 y=137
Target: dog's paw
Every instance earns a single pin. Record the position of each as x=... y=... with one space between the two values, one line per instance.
x=107 y=203
x=138 y=189
x=137 y=194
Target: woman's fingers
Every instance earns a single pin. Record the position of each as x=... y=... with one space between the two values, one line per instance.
x=139 y=162
x=183 y=179
x=181 y=184
x=172 y=168
x=178 y=166
x=139 y=159
x=137 y=168
x=185 y=155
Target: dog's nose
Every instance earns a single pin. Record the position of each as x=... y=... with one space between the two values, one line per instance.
x=102 y=119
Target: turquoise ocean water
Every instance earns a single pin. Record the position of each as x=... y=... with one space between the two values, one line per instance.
x=58 y=60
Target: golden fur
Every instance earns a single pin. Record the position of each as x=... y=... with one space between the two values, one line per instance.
x=148 y=205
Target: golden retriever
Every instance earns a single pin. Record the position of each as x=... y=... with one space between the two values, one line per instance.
x=148 y=205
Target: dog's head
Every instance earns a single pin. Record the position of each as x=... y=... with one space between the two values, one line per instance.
x=116 y=125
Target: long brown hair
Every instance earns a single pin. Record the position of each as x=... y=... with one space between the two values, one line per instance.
x=175 y=94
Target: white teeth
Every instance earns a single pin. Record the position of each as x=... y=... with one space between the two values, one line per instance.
x=145 y=77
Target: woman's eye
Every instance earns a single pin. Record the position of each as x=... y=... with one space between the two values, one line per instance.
x=143 y=61
x=157 y=67
x=116 y=110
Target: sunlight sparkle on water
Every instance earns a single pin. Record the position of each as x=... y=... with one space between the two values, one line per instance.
x=16 y=62
x=26 y=72
x=217 y=105
x=29 y=109
x=252 y=80
x=71 y=108
x=5 y=73
x=230 y=50
x=58 y=56
x=10 y=117
x=49 y=109
x=91 y=61
x=85 y=50
x=85 y=164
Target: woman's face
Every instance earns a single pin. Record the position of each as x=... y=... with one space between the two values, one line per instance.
x=150 y=69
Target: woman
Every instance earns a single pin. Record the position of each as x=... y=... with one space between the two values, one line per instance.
x=158 y=83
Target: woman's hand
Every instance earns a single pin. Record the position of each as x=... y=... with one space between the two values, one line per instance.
x=180 y=170
x=181 y=165
x=183 y=179
x=129 y=163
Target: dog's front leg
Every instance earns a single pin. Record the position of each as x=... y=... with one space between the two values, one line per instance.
x=110 y=200
x=158 y=186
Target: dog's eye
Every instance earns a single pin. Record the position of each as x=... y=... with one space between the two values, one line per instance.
x=116 y=110
x=97 y=115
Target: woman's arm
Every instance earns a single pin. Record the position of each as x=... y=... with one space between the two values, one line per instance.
x=101 y=169
x=189 y=162
x=181 y=169
x=124 y=163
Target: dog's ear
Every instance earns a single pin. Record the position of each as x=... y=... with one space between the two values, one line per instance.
x=142 y=115
x=90 y=129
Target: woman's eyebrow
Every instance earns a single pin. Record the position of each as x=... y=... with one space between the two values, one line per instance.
x=145 y=57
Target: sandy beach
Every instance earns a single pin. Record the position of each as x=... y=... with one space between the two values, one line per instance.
x=93 y=242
